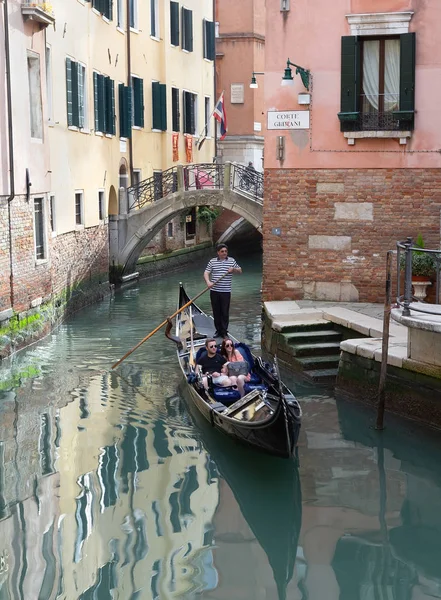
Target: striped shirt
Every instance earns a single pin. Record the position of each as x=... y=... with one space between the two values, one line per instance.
x=217 y=268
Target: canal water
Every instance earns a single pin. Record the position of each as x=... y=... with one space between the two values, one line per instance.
x=109 y=489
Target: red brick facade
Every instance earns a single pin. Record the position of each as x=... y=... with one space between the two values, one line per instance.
x=403 y=202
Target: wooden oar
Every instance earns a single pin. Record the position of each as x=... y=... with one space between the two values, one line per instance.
x=192 y=362
x=165 y=322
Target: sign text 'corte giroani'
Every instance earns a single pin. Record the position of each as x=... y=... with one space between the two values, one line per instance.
x=288 y=119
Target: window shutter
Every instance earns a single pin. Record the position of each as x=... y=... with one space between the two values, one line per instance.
x=192 y=114
x=112 y=104
x=163 y=105
x=125 y=110
x=138 y=97
x=69 y=91
x=108 y=113
x=189 y=116
x=75 y=108
x=210 y=40
x=350 y=79
x=407 y=72
x=175 y=110
x=159 y=102
x=101 y=104
x=95 y=99
x=81 y=92
x=189 y=28
x=153 y=31
x=174 y=23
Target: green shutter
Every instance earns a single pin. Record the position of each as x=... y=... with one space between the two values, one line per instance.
x=189 y=114
x=189 y=26
x=174 y=23
x=210 y=39
x=95 y=99
x=75 y=108
x=175 y=110
x=112 y=104
x=156 y=105
x=109 y=10
x=350 y=78
x=125 y=110
x=69 y=91
x=101 y=104
x=109 y=115
x=407 y=72
x=163 y=104
x=138 y=98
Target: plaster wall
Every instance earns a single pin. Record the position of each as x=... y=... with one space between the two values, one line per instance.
x=310 y=36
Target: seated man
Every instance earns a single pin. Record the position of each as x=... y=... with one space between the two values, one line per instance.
x=211 y=363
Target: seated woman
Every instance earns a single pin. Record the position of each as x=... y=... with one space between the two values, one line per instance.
x=230 y=354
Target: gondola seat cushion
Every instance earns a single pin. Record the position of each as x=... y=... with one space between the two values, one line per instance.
x=226 y=395
x=246 y=353
x=248 y=387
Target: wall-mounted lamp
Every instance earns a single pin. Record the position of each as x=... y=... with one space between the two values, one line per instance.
x=253 y=84
x=288 y=79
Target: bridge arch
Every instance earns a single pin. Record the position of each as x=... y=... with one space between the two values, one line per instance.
x=130 y=233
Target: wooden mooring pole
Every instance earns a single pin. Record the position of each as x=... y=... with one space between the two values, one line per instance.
x=385 y=345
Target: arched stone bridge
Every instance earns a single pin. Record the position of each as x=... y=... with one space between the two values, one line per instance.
x=148 y=206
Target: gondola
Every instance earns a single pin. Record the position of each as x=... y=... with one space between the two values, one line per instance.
x=268 y=416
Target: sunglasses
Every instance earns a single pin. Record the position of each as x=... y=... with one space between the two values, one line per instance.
x=228 y=345
x=212 y=345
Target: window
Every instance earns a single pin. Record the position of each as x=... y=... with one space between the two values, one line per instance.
x=76 y=94
x=207 y=114
x=35 y=106
x=125 y=110
x=157 y=185
x=136 y=177
x=104 y=102
x=174 y=23
x=120 y=14
x=208 y=37
x=154 y=18
x=176 y=117
x=138 y=101
x=133 y=17
x=159 y=106
x=79 y=208
x=189 y=102
x=377 y=83
x=187 y=29
x=50 y=112
x=39 y=228
x=170 y=229
x=105 y=7
x=101 y=209
x=52 y=215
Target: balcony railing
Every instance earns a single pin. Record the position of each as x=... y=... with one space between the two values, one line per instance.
x=378 y=112
x=38 y=10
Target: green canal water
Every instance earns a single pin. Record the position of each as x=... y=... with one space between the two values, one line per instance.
x=110 y=490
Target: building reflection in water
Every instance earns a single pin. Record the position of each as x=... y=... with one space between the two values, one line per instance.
x=111 y=497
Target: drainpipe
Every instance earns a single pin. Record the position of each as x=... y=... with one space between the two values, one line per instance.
x=129 y=83
x=11 y=146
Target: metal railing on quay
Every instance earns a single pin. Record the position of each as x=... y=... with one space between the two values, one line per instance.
x=160 y=185
x=411 y=260
x=248 y=181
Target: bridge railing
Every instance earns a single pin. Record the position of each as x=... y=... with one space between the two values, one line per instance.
x=247 y=181
x=196 y=177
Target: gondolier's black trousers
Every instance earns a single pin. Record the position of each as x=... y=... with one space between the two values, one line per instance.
x=220 y=303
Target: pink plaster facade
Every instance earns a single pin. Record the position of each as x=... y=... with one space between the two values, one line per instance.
x=240 y=50
x=339 y=206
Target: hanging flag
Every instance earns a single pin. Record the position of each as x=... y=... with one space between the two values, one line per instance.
x=220 y=116
x=175 y=142
x=189 y=147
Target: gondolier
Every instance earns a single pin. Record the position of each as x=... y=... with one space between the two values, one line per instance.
x=220 y=292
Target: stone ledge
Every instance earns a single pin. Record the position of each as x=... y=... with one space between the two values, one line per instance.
x=6 y=314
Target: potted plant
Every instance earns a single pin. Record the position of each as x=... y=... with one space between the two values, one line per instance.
x=423 y=269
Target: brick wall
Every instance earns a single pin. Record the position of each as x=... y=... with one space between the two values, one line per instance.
x=336 y=226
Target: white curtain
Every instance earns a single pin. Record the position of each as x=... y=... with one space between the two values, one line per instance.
x=391 y=75
x=371 y=73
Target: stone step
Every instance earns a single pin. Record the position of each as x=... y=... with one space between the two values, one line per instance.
x=319 y=362
x=306 y=326
x=319 y=335
x=315 y=349
x=321 y=375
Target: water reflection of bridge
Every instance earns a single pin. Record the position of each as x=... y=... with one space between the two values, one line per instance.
x=148 y=206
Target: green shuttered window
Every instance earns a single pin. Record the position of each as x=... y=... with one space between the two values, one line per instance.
x=187 y=29
x=105 y=7
x=189 y=106
x=125 y=110
x=138 y=101
x=208 y=37
x=377 y=83
x=174 y=23
x=159 y=105
x=76 y=94
x=104 y=104
x=176 y=115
